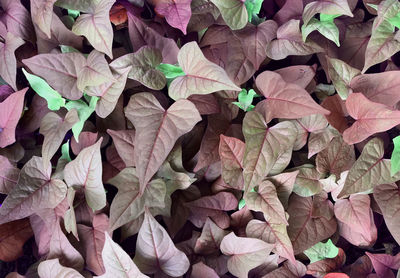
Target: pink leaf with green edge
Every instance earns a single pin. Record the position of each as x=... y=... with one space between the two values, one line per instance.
x=388 y=198
x=244 y=253
x=371 y=118
x=231 y=151
x=176 y=12
x=157 y=130
x=35 y=190
x=42 y=13
x=53 y=268
x=10 y=112
x=383 y=263
x=355 y=220
x=264 y=145
x=273 y=233
x=378 y=87
x=233 y=12
x=129 y=203
x=117 y=262
x=156 y=252
x=8 y=62
x=284 y=100
x=201 y=76
x=324 y=267
x=311 y=220
x=85 y=172
x=60 y=71
x=8 y=175
x=95 y=25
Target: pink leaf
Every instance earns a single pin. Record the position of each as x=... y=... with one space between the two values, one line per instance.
x=177 y=12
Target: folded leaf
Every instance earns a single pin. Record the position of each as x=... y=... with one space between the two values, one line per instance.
x=42 y=13
x=231 y=152
x=342 y=75
x=371 y=118
x=85 y=172
x=8 y=62
x=245 y=253
x=53 y=268
x=35 y=190
x=157 y=130
x=95 y=25
x=210 y=239
x=124 y=141
x=155 y=250
x=284 y=100
x=383 y=263
x=202 y=76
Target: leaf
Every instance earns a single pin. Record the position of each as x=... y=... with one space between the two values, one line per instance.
x=273 y=233
x=284 y=185
x=124 y=141
x=388 y=198
x=8 y=62
x=289 y=270
x=308 y=182
x=60 y=71
x=42 y=13
x=13 y=236
x=326 y=28
x=129 y=204
x=85 y=172
x=145 y=67
x=231 y=151
x=311 y=220
x=382 y=44
x=326 y=7
x=8 y=175
x=176 y=13
x=321 y=251
x=285 y=100
x=17 y=19
x=266 y=200
x=254 y=40
x=289 y=42
x=342 y=75
x=170 y=71
x=213 y=207
x=54 y=128
x=35 y=190
x=264 y=145
x=245 y=253
x=373 y=87
x=95 y=25
x=84 y=112
x=117 y=262
x=53 y=268
x=383 y=263
x=155 y=250
x=92 y=239
x=371 y=118
x=245 y=99
x=336 y=158
x=54 y=100
x=202 y=76
x=210 y=239
x=395 y=158
x=326 y=266
x=233 y=12
x=200 y=270
x=356 y=221
x=158 y=126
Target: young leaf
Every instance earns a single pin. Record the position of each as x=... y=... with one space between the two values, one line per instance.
x=245 y=99
x=117 y=262
x=155 y=250
x=395 y=158
x=202 y=76
x=54 y=100
x=245 y=253
x=157 y=129
x=10 y=112
x=327 y=28
x=321 y=251
x=233 y=12
x=95 y=25
x=170 y=71
x=85 y=172
x=371 y=118
x=35 y=190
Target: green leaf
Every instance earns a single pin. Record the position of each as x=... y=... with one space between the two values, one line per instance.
x=395 y=159
x=84 y=112
x=245 y=100
x=328 y=17
x=73 y=13
x=170 y=71
x=253 y=7
x=242 y=203
x=327 y=28
x=321 y=251
x=65 y=151
x=375 y=7
x=68 y=49
x=395 y=21
x=54 y=100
